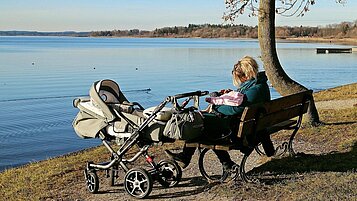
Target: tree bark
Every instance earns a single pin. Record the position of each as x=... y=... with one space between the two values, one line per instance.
x=274 y=71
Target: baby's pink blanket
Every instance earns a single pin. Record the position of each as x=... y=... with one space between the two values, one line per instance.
x=232 y=98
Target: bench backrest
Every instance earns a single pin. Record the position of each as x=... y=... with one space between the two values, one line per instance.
x=258 y=117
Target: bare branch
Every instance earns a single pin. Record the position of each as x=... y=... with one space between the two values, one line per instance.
x=290 y=8
x=287 y=8
x=341 y=1
x=237 y=7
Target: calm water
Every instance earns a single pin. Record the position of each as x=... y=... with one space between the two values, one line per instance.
x=40 y=76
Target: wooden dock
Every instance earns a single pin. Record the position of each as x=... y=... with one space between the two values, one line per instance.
x=333 y=50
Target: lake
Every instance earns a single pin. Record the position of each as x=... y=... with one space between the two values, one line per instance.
x=40 y=76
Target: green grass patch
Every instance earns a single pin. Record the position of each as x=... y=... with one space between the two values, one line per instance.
x=46 y=179
x=339 y=129
x=338 y=93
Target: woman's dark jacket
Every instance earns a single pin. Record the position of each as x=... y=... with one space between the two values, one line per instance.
x=255 y=91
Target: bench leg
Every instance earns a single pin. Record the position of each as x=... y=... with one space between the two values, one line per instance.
x=242 y=172
x=258 y=150
x=290 y=145
x=214 y=176
x=281 y=149
x=287 y=146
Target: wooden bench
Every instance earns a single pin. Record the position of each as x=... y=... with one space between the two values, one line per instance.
x=258 y=122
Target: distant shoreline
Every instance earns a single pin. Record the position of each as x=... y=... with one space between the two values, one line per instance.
x=343 y=33
x=340 y=41
x=336 y=41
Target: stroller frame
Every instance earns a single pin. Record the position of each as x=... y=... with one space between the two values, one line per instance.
x=138 y=182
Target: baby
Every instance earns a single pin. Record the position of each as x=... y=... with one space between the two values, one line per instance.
x=224 y=97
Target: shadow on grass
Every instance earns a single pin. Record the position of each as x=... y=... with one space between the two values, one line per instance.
x=187 y=187
x=331 y=162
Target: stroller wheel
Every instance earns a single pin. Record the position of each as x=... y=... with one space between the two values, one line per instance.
x=170 y=173
x=138 y=183
x=92 y=181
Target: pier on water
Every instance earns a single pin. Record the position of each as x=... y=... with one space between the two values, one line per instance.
x=335 y=50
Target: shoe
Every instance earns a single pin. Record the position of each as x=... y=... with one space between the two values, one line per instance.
x=230 y=171
x=179 y=158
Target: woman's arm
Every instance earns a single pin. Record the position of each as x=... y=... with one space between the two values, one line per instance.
x=250 y=97
x=228 y=110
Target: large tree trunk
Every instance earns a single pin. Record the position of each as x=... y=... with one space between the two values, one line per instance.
x=276 y=75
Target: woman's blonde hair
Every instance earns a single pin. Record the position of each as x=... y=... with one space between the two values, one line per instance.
x=246 y=68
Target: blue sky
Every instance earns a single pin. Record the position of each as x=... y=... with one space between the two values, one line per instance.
x=88 y=15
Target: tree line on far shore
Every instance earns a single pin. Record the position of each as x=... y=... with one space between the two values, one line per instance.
x=341 y=30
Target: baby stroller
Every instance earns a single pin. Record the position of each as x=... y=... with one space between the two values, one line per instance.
x=108 y=115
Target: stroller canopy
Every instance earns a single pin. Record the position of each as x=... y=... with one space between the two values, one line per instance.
x=105 y=92
x=94 y=112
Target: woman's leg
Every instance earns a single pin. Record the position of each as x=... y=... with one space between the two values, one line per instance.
x=183 y=158
x=224 y=158
x=215 y=127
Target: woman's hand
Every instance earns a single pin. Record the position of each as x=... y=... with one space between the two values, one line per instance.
x=208 y=109
x=224 y=91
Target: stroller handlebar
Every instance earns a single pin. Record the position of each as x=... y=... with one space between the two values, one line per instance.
x=195 y=93
x=190 y=95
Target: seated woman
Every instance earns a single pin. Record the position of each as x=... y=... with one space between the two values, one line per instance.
x=253 y=86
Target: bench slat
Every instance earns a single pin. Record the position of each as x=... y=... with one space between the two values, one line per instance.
x=266 y=121
x=281 y=126
x=246 y=127
x=192 y=144
x=281 y=116
x=225 y=147
x=208 y=146
x=276 y=104
x=211 y=145
x=273 y=112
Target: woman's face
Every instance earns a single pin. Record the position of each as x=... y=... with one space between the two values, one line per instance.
x=238 y=79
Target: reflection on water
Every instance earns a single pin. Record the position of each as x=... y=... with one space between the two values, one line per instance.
x=39 y=76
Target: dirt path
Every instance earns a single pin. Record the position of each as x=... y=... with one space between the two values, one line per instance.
x=193 y=186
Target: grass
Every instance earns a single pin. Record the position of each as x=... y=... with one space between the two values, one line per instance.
x=328 y=176
x=338 y=93
x=339 y=129
x=59 y=177
x=304 y=186
x=45 y=179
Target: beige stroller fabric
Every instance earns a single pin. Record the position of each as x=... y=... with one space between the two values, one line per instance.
x=96 y=113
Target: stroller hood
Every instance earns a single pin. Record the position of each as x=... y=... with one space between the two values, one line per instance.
x=104 y=91
x=94 y=113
